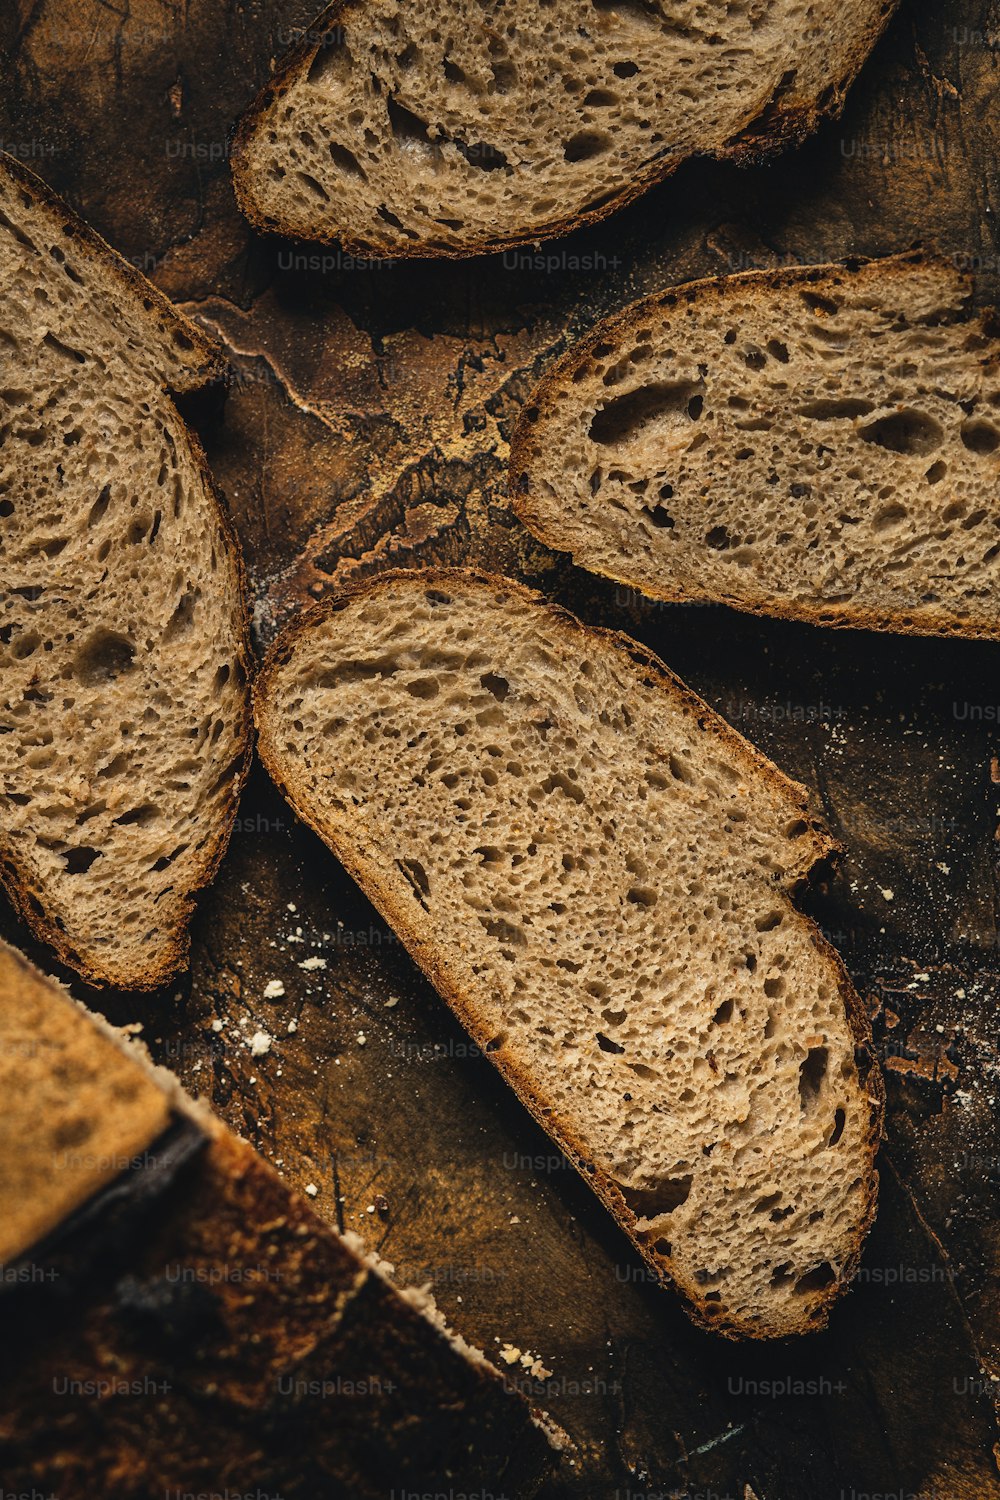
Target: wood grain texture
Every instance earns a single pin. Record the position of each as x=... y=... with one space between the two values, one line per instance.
x=366 y=422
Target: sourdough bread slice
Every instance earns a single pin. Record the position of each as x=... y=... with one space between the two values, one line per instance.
x=444 y=129
x=821 y=443
x=148 y=1252
x=597 y=872
x=124 y=705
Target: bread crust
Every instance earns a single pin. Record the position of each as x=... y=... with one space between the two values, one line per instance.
x=426 y=951
x=783 y=123
x=532 y=512
x=26 y=897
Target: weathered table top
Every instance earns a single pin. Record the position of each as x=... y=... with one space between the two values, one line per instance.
x=367 y=423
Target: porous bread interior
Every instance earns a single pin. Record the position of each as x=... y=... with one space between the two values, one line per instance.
x=821 y=443
x=598 y=880
x=122 y=680
x=436 y=127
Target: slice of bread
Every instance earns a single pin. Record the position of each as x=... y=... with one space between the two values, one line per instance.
x=124 y=704
x=443 y=129
x=820 y=443
x=148 y=1252
x=597 y=873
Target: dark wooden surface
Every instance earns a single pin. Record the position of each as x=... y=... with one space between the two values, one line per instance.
x=366 y=422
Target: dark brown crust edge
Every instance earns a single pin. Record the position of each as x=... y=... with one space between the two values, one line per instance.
x=787 y=125
x=532 y=513
x=426 y=952
x=27 y=898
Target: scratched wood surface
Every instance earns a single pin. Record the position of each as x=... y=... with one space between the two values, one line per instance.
x=366 y=423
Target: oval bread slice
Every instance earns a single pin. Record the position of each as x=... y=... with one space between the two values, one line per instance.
x=597 y=874
x=448 y=129
x=124 y=700
x=820 y=443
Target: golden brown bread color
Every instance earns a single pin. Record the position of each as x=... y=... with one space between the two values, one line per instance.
x=596 y=872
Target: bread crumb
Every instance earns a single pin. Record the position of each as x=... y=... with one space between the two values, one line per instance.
x=530 y=1362
x=311 y=1189
x=310 y=964
x=888 y=895
x=291 y=906
x=260 y=1044
x=273 y=989
x=362 y=1039
x=216 y=1025
x=392 y=1001
x=293 y=1026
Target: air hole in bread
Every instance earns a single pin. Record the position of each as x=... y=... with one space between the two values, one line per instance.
x=495 y=684
x=146 y=813
x=812 y=1074
x=816 y=1280
x=58 y=347
x=835 y=409
x=182 y=619
x=417 y=877
x=819 y=304
x=105 y=656
x=911 y=432
x=560 y=781
x=980 y=436
x=624 y=417
x=314 y=185
x=586 y=144
x=607 y=1045
x=408 y=128
x=889 y=516
x=662 y=1197
x=78 y=861
x=483 y=155
x=454 y=73
x=839 y=1121
x=347 y=161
